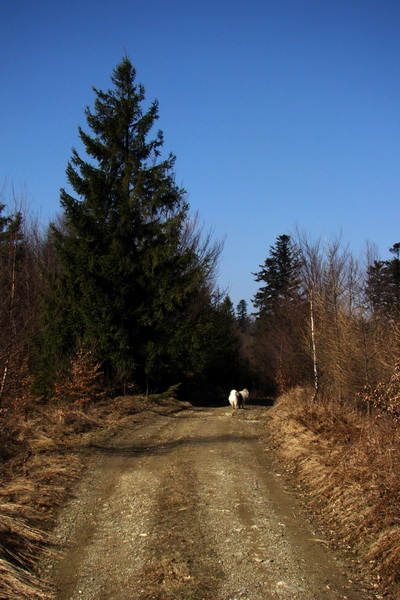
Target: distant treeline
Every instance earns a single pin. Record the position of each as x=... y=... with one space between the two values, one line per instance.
x=119 y=294
x=329 y=321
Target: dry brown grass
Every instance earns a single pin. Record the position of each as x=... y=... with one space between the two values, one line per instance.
x=19 y=544
x=350 y=466
x=34 y=480
x=41 y=457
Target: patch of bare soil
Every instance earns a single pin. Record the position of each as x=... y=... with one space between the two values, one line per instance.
x=190 y=506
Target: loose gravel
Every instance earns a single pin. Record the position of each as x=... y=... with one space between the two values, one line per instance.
x=191 y=506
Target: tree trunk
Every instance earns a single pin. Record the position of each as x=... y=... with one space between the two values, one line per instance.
x=313 y=344
x=12 y=322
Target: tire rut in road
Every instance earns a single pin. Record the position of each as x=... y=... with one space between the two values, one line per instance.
x=181 y=563
x=188 y=508
x=257 y=557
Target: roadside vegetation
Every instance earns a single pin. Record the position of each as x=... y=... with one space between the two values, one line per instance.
x=326 y=340
x=117 y=301
x=346 y=467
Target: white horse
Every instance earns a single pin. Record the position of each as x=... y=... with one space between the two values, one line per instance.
x=238 y=399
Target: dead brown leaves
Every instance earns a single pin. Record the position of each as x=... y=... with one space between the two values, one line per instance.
x=82 y=383
x=385 y=397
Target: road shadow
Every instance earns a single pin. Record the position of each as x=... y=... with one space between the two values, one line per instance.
x=162 y=448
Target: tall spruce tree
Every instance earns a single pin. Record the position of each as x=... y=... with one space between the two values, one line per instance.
x=127 y=267
x=217 y=352
x=276 y=345
x=280 y=275
x=241 y=314
x=383 y=284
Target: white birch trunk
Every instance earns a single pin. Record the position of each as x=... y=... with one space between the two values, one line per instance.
x=313 y=344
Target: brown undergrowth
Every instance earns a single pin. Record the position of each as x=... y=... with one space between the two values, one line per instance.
x=349 y=465
x=42 y=454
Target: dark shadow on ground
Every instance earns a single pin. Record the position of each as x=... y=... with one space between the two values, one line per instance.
x=166 y=447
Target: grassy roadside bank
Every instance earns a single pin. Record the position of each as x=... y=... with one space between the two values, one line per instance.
x=348 y=466
x=42 y=457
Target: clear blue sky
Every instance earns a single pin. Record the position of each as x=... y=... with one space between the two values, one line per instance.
x=281 y=113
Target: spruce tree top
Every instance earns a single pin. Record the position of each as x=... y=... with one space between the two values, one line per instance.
x=124 y=178
x=280 y=273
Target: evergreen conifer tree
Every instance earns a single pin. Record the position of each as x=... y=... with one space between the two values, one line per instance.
x=241 y=314
x=217 y=341
x=280 y=274
x=383 y=284
x=127 y=269
x=276 y=340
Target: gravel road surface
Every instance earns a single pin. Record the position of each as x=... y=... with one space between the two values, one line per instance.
x=191 y=506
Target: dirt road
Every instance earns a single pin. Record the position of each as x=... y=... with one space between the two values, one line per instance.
x=189 y=506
